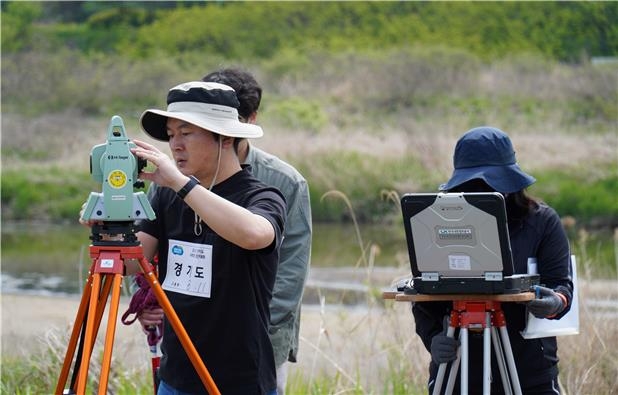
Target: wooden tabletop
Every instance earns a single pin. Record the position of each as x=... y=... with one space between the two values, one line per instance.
x=402 y=297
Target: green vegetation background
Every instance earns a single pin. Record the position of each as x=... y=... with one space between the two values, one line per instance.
x=327 y=68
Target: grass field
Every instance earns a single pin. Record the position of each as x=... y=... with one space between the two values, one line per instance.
x=365 y=350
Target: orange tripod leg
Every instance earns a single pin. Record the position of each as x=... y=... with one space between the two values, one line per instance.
x=77 y=326
x=111 y=330
x=106 y=287
x=101 y=285
x=180 y=331
x=89 y=335
x=102 y=302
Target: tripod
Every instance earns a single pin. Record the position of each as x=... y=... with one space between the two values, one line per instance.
x=488 y=316
x=105 y=277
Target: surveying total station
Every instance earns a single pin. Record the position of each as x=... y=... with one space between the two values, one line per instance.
x=113 y=213
x=114 y=165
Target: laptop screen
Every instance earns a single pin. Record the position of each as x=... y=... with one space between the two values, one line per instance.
x=453 y=235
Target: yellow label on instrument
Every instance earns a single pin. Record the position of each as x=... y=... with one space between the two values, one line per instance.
x=117 y=178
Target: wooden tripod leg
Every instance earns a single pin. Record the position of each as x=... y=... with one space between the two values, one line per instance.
x=111 y=330
x=180 y=331
x=77 y=326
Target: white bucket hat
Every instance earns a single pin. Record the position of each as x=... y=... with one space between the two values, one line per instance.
x=209 y=105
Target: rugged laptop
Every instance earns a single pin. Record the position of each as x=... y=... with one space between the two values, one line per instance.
x=459 y=243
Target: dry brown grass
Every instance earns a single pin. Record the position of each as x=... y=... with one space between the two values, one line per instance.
x=363 y=346
x=536 y=149
x=385 y=104
x=61 y=139
x=589 y=361
x=64 y=140
x=369 y=346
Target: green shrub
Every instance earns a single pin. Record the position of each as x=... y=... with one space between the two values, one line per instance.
x=296 y=113
x=566 y=31
x=17 y=24
x=54 y=195
x=580 y=194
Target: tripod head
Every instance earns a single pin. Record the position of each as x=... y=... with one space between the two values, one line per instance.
x=126 y=231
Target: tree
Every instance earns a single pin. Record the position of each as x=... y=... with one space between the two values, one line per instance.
x=17 y=19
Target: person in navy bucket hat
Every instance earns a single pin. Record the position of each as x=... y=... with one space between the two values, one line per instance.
x=484 y=161
x=487 y=153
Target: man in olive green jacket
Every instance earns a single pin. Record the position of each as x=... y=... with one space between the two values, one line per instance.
x=295 y=252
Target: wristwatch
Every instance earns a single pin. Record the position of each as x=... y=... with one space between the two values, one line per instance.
x=182 y=192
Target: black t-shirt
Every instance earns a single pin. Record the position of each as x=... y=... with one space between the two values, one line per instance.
x=230 y=328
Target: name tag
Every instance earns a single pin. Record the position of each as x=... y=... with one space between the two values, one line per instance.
x=189 y=268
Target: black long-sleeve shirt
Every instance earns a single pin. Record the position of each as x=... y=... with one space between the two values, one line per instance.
x=540 y=234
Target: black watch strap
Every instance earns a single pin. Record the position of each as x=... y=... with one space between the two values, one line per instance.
x=182 y=192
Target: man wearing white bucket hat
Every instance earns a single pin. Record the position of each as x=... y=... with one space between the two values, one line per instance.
x=217 y=235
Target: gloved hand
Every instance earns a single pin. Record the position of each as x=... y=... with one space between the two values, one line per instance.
x=444 y=348
x=547 y=303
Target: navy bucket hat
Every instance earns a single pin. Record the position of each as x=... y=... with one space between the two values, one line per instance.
x=487 y=153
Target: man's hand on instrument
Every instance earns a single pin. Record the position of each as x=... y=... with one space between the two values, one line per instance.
x=166 y=173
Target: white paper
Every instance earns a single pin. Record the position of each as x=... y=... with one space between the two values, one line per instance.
x=567 y=325
x=532 y=269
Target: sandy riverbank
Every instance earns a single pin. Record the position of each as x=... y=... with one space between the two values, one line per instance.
x=333 y=338
x=30 y=323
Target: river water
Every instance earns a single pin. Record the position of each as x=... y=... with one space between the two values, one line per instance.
x=44 y=259
x=41 y=258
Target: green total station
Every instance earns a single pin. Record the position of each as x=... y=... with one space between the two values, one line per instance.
x=117 y=168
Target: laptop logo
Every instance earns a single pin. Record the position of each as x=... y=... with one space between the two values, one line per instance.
x=451 y=208
x=457 y=235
